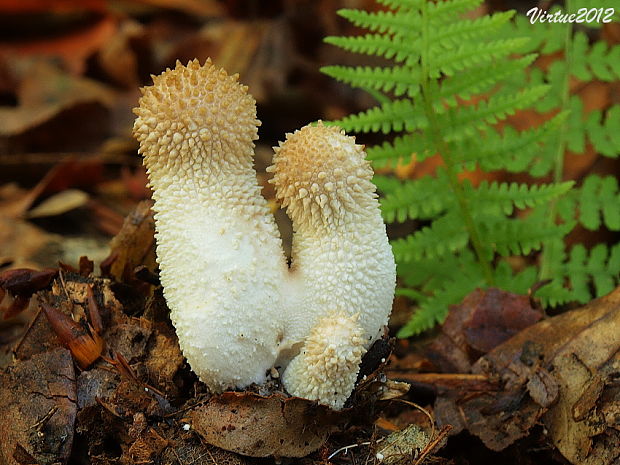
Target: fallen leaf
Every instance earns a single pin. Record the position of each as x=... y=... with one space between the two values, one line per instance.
x=73 y=47
x=45 y=91
x=60 y=203
x=560 y=371
x=484 y=319
x=207 y=8
x=259 y=426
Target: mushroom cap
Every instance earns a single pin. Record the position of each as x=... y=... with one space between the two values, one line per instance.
x=322 y=176
x=194 y=110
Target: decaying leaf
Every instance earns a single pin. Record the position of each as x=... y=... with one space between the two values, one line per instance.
x=481 y=322
x=43 y=93
x=259 y=426
x=562 y=372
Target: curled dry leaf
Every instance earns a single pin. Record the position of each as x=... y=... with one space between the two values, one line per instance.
x=259 y=426
x=25 y=282
x=85 y=346
x=20 y=284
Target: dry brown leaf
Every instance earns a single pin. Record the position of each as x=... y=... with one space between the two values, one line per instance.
x=259 y=426
x=73 y=47
x=561 y=372
x=484 y=319
x=206 y=8
x=60 y=203
x=44 y=91
x=117 y=58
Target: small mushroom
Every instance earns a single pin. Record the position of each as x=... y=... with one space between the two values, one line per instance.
x=238 y=308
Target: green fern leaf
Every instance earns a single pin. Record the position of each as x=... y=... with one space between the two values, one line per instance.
x=597 y=203
x=447 y=36
x=402 y=148
x=479 y=79
x=504 y=197
x=445 y=235
x=434 y=309
x=463 y=121
x=394 y=116
x=603 y=130
x=517 y=236
x=589 y=275
x=383 y=21
x=398 y=49
x=419 y=199
x=468 y=55
x=398 y=79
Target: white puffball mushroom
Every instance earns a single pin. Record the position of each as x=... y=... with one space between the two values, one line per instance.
x=237 y=307
x=218 y=247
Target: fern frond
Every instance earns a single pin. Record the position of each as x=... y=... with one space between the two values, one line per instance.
x=598 y=61
x=445 y=235
x=402 y=23
x=420 y=199
x=504 y=197
x=397 y=49
x=480 y=79
x=519 y=283
x=595 y=203
x=434 y=309
x=589 y=274
x=402 y=5
x=450 y=8
x=542 y=37
x=603 y=130
x=397 y=79
x=519 y=236
x=512 y=150
x=394 y=116
x=446 y=36
x=463 y=121
x=469 y=55
x=401 y=148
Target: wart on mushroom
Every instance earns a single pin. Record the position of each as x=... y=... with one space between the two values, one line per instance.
x=237 y=306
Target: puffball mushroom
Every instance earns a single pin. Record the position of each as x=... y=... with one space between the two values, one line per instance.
x=237 y=307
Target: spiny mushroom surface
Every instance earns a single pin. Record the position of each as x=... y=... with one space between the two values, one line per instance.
x=238 y=309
